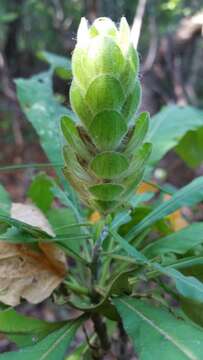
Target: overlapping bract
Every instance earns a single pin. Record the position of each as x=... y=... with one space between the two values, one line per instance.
x=105 y=153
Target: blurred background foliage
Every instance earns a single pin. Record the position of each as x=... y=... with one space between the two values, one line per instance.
x=170 y=47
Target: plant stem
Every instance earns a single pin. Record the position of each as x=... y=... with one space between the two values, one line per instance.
x=76 y=288
x=96 y=254
x=101 y=331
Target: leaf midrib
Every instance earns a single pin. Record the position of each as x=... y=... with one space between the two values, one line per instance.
x=185 y=351
x=54 y=345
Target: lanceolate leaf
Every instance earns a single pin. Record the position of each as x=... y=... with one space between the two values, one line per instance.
x=52 y=347
x=187 y=286
x=187 y=196
x=169 y=126
x=155 y=333
x=24 y=330
x=178 y=242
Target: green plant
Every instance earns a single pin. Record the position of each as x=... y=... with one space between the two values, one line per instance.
x=131 y=273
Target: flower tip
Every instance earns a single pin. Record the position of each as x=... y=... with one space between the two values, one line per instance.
x=104 y=26
x=124 y=34
x=82 y=33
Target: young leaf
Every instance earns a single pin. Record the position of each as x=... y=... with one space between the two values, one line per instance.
x=179 y=242
x=51 y=347
x=155 y=331
x=189 y=195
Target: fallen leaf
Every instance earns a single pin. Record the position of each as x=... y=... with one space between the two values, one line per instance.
x=31 y=215
x=28 y=272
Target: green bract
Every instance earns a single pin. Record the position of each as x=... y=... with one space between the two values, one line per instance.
x=105 y=154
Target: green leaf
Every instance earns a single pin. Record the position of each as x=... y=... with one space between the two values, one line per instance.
x=79 y=104
x=32 y=230
x=132 y=251
x=178 y=242
x=107 y=129
x=60 y=220
x=154 y=332
x=190 y=148
x=169 y=126
x=72 y=137
x=8 y=17
x=132 y=102
x=106 y=192
x=51 y=347
x=82 y=352
x=192 y=309
x=139 y=133
x=187 y=286
x=109 y=164
x=24 y=330
x=5 y=201
x=60 y=64
x=43 y=112
x=17 y=236
x=40 y=191
x=189 y=195
x=105 y=92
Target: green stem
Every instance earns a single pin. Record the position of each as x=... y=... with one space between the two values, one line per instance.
x=76 y=288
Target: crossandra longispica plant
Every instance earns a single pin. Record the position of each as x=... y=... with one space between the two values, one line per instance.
x=105 y=154
x=120 y=252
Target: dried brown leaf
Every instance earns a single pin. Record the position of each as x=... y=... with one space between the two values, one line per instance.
x=28 y=272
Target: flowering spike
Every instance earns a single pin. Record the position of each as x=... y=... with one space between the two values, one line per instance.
x=106 y=153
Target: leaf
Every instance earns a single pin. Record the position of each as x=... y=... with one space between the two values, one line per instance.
x=5 y=201
x=52 y=347
x=139 y=133
x=40 y=191
x=60 y=64
x=24 y=330
x=106 y=192
x=104 y=92
x=132 y=251
x=154 y=332
x=169 y=126
x=43 y=112
x=179 y=242
x=61 y=219
x=187 y=286
x=31 y=215
x=109 y=164
x=189 y=195
x=107 y=129
x=190 y=148
x=30 y=273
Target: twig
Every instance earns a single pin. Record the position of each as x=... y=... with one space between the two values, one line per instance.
x=137 y=22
